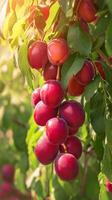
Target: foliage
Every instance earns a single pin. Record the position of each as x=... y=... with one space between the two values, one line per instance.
x=18 y=132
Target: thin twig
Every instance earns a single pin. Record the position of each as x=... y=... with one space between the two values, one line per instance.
x=104 y=57
x=59 y=73
x=19 y=123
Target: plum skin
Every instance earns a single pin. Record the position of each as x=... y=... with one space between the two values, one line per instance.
x=52 y=93
x=57 y=130
x=58 y=51
x=50 y=72
x=87 y=11
x=45 y=151
x=74 y=146
x=37 y=54
x=73 y=130
x=35 y=98
x=109 y=186
x=8 y=172
x=73 y=113
x=86 y=74
x=66 y=167
x=75 y=88
x=42 y=113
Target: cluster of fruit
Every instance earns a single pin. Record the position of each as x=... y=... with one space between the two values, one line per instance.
x=77 y=83
x=61 y=117
x=62 y=121
x=7 y=189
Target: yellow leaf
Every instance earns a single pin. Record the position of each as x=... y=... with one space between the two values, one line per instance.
x=9 y=23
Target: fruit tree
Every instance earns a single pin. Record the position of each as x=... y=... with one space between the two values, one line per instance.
x=62 y=51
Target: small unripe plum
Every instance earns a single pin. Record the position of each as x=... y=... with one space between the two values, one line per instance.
x=74 y=146
x=73 y=130
x=86 y=74
x=57 y=130
x=45 y=151
x=50 y=72
x=109 y=186
x=35 y=96
x=52 y=93
x=73 y=113
x=87 y=11
x=37 y=55
x=8 y=173
x=58 y=51
x=43 y=113
x=44 y=10
x=66 y=167
x=75 y=88
x=100 y=69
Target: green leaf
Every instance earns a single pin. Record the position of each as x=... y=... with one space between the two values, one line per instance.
x=98 y=146
x=100 y=27
x=97 y=113
x=72 y=66
x=33 y=162
x=108 y=39
x=18 y=32
x=109 y=131
x=32 y=129
x=2 y=86
x=24 y=64
x=38 y=187
x=93 y=186
x=58 y=190
x=9 y=23
x=109 y=3
x=91 y=88
x=103 y=195
x=33 y=135
x=107 y=162
x=79 y=40
x=53 y=14
x=19 y=181
x=67 y=7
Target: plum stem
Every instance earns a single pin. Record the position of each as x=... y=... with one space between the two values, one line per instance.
x=59 y=73
x=19 y=123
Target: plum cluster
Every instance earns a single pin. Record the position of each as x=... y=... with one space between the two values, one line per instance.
x=62 y=119
x=7 y=189
x=77 y=83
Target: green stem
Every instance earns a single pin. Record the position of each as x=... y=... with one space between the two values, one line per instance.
x=104 y=57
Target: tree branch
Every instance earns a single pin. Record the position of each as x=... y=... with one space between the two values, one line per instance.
x=104 y=57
